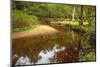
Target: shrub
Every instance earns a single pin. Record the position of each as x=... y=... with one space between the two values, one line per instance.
x=90 y=56
x=21 y=19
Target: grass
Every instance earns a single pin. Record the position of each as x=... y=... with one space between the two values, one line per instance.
x=73 y=25
x=69 y=22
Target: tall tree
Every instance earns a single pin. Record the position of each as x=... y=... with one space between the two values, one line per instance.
x=81 y=17
x=73 y=14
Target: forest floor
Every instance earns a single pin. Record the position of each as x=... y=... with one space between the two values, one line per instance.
x=40 y=30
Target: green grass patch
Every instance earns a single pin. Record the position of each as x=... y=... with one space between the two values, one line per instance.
x=66 y=22
x=69 y=22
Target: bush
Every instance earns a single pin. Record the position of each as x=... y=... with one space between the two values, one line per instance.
x=21 y=19
x=90 y=56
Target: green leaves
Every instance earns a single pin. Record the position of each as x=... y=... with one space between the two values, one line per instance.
x=20 y=20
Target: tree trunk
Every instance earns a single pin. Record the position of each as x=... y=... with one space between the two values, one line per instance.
x=73 y=14
x=81 y=17
x=14 y=5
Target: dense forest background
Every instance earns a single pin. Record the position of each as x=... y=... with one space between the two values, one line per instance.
x=46 y=13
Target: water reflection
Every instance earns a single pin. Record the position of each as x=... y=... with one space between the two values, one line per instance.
x=45 y=56
x=23 y=61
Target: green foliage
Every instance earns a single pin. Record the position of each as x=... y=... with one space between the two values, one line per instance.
x=90 y=56
x=22 y=20
x=48 y=10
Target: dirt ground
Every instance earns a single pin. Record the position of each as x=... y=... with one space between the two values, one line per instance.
x=40 y=30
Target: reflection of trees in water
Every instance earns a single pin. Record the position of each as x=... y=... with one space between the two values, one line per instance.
x=68 y=55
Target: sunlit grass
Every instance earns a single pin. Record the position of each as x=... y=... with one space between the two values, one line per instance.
x=85 y=23
x=69 y=22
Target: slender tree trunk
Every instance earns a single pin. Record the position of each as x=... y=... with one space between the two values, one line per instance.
x=73 y=14
x=81 y=17
x=14 y=5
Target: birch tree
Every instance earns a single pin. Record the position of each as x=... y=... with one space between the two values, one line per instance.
x=73 y=13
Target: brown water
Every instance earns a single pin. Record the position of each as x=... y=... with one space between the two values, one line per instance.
x=62 y=46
